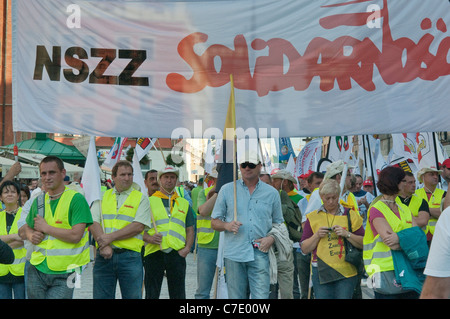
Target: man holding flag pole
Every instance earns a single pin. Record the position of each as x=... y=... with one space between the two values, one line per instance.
x=245 y=211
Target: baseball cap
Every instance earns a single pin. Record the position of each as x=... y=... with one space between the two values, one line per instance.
x=307 y=174
x=446 y=163
x=251 y=157
x=368 y=182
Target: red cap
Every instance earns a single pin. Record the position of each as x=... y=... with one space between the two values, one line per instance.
x=368 y=182
x=306 y=175
x=446 y=163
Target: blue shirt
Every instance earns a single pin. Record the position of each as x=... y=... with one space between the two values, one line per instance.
x=257 y=212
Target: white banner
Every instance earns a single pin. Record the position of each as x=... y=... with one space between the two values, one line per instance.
x=340 y=148
x=309 y=157
x=420 y=147
x=307 y=68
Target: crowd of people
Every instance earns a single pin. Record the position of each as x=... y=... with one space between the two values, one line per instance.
x=320 y=236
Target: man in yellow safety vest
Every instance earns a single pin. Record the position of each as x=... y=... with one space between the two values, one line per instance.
x=429 y=176
x=119 y=222
x=57 y=225
x=169 y=240
x=207 y=238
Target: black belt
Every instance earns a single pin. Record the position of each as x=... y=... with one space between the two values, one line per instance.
x=119 y=250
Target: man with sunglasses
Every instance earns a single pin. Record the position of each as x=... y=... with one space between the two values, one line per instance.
x=246 y=239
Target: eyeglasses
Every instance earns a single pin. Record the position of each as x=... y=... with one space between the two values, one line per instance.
x=250 y=165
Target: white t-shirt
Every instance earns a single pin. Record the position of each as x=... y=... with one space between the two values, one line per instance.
x=438 y=263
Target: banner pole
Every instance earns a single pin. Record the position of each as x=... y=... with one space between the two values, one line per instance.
x=15 y=149
x=162 y=154
x=371 y=166
x=435 y=149
x=365 y=159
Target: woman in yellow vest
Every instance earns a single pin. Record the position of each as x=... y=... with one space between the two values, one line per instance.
x=386 y=217
x=11 y=276
x=323 y=234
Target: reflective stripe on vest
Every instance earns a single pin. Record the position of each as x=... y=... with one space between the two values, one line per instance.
x=173 y=228
x=61 y=255
x=433 y=202
x=204 y=231
x=180 y=191
x=18 y=266
x=115 y=219
x=414 y=206
x=377 y=255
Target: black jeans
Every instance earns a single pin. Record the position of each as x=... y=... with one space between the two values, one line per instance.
x=175 y=267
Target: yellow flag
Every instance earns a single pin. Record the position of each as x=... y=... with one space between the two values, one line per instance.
x=230 y=121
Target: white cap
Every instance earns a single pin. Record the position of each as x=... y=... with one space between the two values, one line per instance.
x=251 y=157
x=168 y=169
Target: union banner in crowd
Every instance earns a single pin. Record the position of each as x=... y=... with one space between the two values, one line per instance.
x=308 y=68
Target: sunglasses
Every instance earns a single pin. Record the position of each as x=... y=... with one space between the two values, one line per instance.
x=249 y=165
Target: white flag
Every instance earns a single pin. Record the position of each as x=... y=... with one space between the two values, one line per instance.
x=90 y=181
x=290 y=166
x=143 y=145
x=115 y=152
x=137 y=173
x=340 y=148
x=309 y=157
x=221 y=285
x=210 y=157
x=405 y=145
x=417 y=146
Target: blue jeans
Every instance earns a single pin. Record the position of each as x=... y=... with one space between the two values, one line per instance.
x=45 y=286
x=125 y=267
x=248 y=278
x=206 y=269
x=340 y=289
x=6 y=291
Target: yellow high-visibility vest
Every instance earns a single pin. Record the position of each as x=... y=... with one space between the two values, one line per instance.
x=18 y=266
x=204 y=231
x=414 y=206
x=433 y=202
x=172 y=228
x=61 y=255
x=115 y=219
x=377 y=255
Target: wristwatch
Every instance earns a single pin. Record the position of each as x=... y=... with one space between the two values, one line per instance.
x=348 y=235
